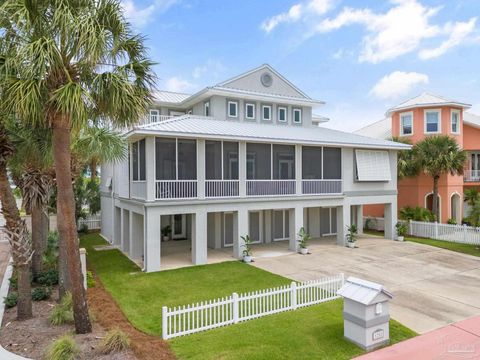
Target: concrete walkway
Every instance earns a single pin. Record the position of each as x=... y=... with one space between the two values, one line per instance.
x=432 y=287
x=457 y=341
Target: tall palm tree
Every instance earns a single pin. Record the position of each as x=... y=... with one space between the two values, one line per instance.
x=76 y=59
x=436 y=156
x=407 y=165
x=471 y=196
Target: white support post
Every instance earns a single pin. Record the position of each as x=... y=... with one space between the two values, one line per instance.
x=122 y=222
x=240 y=229
x=242 y=168
x=390 y=219
x=293 y=295
x=83 y=263
x=150 y=168
x=296 y=223
x=164 y=323
x=199 y=238
x=201 y=168
x=153 y=240
x=298 y=169
x=235 y=308
x=343 y=222
x=267 y=218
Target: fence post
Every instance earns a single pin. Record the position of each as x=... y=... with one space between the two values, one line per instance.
x=83 y=263
x=464 y=233
x=342 y=275
x=235 y=307
x=293 y=295
x=436 y=231
x=164 y=323
x=410 y=227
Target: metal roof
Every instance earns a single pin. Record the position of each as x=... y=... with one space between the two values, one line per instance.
x=170 y=97
x=362 y=291
x=426 y=99
x=210 y=128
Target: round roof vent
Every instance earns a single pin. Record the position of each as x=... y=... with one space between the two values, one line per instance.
x=266 y=79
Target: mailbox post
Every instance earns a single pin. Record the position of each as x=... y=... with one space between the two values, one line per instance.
x=365 y=313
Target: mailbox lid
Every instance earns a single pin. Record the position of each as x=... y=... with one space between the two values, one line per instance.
x=363 y=291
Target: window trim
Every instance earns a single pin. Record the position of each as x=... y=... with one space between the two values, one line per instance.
x=206 y=108
x=138 y=169
x=154 y=112
x=236 y=108
x=294 y=110
x=401 y=123
x=247 y=104
x=455 y=111
x=439 y=112
x=264 y=106
x=286 y=114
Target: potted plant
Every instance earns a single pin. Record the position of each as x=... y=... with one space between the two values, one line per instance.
x=303 y=242
x=401 y=228
x=166 y=230
x=352 y=235
x=247 y=253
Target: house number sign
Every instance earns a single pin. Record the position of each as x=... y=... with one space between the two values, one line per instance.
x=377 y=334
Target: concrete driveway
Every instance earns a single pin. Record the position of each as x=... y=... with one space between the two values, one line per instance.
x=432 y=287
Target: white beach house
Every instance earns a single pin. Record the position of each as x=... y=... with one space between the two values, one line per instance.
x=246 y=156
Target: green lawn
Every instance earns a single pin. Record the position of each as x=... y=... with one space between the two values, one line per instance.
x=312 y=332
x=461 y=248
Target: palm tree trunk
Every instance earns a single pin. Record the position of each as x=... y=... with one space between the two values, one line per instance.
x=39 y=239
x=435 y=206
x=19 y=244
x=66 y=221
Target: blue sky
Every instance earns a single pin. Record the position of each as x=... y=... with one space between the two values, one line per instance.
x=360 y=57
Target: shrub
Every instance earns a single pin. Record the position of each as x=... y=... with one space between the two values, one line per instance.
x=90 y=280
x=417 y=213
x=401 y=228
x=83 y=228
x=14 y=281
x=62 y=313
x=11 y=300
x=40 y=293
x=50 y=255
x=48 y=277
x=452 y=221
x=115 y=341
x=64 y=348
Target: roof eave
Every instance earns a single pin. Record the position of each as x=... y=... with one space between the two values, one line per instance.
x=429 y=105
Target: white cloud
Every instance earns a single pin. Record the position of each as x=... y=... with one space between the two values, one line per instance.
x=297 y=12
x=139 y=17
x=458 y=31
x=398 y=84
x=214 y=68
x=177 y=84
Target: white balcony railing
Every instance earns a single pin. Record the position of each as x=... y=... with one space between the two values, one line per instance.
x=175 y=189
x=321 y=187
x=471 y=175
x=270 y=187
x=221 y=188
x=153 y=119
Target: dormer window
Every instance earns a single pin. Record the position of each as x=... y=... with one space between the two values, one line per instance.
x=297 y=116
x=206 y=108
x=154 y=115
x=233 y=109
x=282 y=114
x=432 y=121
x=455 y=122
x=250 y=111
x=406 y=124
x=266 y=112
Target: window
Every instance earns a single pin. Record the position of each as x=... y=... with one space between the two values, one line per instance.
x=233 y=109
x=218 y=153
x=297 y=116
x=282 y=114
x=432 y=121
x=373 y=165
x=406 y=124
x=206 y=108
x=259 y=161
x=154 y=115
x=250 y=111
x=138 y=161
x=283 y=162
x=266 y=112
x=175 y=159
x=311 y=162
x=332 y=163
x=455 y=122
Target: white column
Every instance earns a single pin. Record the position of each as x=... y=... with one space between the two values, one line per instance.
x=153 y=238
x=298 y=169
x=268 y=220
x=242 y=168
x=343 y=222
x=240 y=228
x=199 y=237
x=150 y=168
x=390 y=219
x=296 y=223
x=359 y=221
x=201 y=168
x=122 y=222
x=218 y=229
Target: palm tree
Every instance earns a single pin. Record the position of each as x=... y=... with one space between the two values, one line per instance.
x=407 y=166
x=471 y=196
x=436 y=156
x=76 y=60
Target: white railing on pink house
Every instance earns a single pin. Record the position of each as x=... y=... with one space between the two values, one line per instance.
x=270 y=187
x=321 y=187
x=471 y=175
x=175 y=189
x=221 y=188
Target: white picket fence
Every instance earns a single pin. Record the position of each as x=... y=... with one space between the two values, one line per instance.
x=454 y=233
x=189 y=319
x=93 y=222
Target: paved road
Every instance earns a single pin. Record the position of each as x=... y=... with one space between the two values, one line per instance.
x=432 y=287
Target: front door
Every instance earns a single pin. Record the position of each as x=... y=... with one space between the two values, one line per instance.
x=179 y=226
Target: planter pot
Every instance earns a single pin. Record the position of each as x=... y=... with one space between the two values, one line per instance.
x=247 y=259
x=351 y=244
x=165 y=238
x=400 y=238
x=303 y=251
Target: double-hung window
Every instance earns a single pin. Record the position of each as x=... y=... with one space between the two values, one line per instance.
x=406 y=124
x=250 y=111
x=282 y=114
x=138 y=161
x=455 y=122
x=206 y=108
x=432 y=121
x=232 y=109
x=297 y=116
x=266 y=112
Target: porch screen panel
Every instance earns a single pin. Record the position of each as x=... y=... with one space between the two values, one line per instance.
x=283 y=162
x=165 y=167
x=142 y=163
x=187 y=159
x=230 y=160
x=135 y=161
x=213 y=160
x=311 y=162
x=332 y=163
x=254 y=220
x=258 y=161
x=373 y=165
x=278 y=224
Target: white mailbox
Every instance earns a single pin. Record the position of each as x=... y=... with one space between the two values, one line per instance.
x=365 y=313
